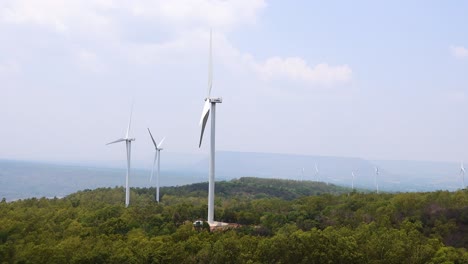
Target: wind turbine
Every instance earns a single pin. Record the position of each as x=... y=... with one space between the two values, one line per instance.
x=375 y=178
x=316 y=172
x=128 y=145
x=302 y=174
x=462 y=174
x=210 y=106
x=157 y=155
x=352 y=182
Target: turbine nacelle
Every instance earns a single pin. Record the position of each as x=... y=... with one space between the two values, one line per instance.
x=156 y=145
x=121 y=140
x=216 y=100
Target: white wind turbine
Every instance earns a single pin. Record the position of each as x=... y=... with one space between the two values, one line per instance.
x=352 y=182
x=128 y=145
x=462 y=174
x=157 y=156
x=210 y=106
x=316 y=172
x=375 y=179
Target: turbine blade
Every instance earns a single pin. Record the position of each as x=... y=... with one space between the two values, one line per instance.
x=154 y=142
x=204 y=119
x=210 y=68
x=154 y=163
x=118 y=140
x=129 y=122
x=462 y=169
x=161 y=142
x=205 y=111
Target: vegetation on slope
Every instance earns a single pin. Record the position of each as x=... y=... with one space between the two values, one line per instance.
x=254 y=188
x=95 y=227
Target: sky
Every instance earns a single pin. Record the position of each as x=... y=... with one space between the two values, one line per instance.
x=369 y=79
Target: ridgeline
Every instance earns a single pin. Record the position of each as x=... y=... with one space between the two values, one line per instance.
x=255 y=188
x=282 y=221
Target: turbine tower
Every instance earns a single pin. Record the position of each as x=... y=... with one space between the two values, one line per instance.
x=157 y=155
x=375 y=179
x=462 y=174
x=128 y=145
x=210 y=106
x=352 y=182
x=316 y=172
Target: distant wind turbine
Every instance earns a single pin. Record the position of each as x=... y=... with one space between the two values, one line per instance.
x=462 y=174
x=316 y=172
x=302 y=174
x=375 y=179
x=210 y=106
x=128 y=145
x=157 y=156
x=352 y=182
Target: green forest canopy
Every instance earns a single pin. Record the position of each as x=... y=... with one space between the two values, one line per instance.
x=282 y=221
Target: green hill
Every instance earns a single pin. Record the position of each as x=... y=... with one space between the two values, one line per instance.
x=282 y=222
x=250 y=187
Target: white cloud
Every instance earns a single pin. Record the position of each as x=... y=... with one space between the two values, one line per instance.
x=100 y=25
x=219 y=14
x=193 y=45
x=296 y=69
x=459 y=51
x=65 y=16
x=176 y=50
x=60 y=15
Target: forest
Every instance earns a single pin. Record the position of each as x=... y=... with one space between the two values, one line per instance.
x=280 y=221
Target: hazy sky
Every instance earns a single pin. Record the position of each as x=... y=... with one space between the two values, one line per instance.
x=340 y=78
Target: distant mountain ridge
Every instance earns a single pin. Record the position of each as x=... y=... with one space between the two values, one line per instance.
x=393 y=175
x=23 y=179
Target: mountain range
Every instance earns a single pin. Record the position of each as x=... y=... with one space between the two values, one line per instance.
x=22 y=179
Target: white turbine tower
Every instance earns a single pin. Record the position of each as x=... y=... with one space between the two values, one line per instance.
x=316 y=172
x=157 y=156
x=462 y=174
x=210 y=106
x=352 y=182
x=375 y=179
x=128 y=145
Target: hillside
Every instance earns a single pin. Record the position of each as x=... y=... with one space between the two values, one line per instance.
x=250 y=187
x=279 y=225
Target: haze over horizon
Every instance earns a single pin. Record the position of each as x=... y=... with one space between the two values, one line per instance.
x=379 y=81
